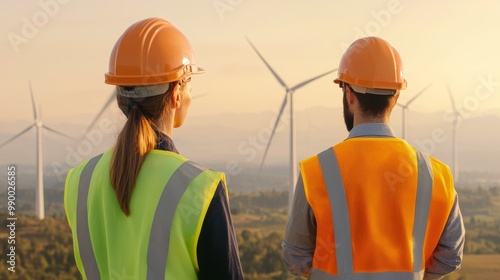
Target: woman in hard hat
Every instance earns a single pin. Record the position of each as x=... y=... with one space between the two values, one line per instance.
x=141 y=210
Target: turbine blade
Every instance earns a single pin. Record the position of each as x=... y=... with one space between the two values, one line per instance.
x=17 y=135
x=282 y=83
x=283 y=105
x=402 y=106
x=418 y=94
x=33 y=102
x=106 y=105
x=312 y=79
x=451 y=98
x=59 y=133
x=199 y=95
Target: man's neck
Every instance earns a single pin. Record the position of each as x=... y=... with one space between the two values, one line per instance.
x=363 y=118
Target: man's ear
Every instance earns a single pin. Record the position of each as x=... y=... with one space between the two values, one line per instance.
x=396 y=96
x=350 y=95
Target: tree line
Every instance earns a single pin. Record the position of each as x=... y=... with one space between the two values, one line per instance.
x=44 y=249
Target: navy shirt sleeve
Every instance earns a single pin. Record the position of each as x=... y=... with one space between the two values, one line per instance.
x=217 y=250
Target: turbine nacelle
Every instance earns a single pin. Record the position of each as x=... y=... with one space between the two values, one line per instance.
x=402 y=106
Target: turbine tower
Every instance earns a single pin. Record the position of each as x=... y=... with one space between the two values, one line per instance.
x=288 y=98
x=38 y=124
x=456 y=116
x=405 y=110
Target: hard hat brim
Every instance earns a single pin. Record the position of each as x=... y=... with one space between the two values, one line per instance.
x=197 y=70
x=363 y=90
x=163 y=78
x=374 y=91
x=142 y=91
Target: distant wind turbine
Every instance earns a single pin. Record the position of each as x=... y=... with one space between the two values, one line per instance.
x=456 y=115
x=405 y=110
x=103 y=109
x=199 y=95
x=38 y=124
x=288 y=98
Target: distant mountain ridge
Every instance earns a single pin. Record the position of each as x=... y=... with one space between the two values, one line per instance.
x=237 y=140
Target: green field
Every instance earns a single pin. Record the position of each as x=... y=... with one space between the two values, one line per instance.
x=44 y=248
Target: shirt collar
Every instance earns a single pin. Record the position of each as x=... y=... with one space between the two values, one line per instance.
x=372 y=130
x=164 y=142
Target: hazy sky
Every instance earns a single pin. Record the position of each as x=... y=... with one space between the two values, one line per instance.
x=63 y=47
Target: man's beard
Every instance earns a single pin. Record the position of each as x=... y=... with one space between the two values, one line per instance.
x=348 y=116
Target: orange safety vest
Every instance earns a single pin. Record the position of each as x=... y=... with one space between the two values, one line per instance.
x=380 y=208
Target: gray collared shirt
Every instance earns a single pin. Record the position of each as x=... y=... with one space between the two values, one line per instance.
x=371 y=130
x=300 y=234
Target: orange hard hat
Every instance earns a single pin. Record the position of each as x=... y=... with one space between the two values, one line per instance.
x=151 y=52
x=371 y=65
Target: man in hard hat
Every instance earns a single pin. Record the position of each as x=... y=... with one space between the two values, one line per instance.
x=372 y=206
x=141 y=210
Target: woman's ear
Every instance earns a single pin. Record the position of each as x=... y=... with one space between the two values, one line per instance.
x=175 y=97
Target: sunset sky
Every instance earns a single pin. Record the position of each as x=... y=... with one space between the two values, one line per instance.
x=63 y=47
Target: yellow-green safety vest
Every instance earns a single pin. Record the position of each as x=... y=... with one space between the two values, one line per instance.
x=158 y=239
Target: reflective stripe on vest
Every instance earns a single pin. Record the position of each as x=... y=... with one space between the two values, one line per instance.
x=341 y=221
x=160 y=231
x=82 y=221
x=319 y=274
x=158 y=247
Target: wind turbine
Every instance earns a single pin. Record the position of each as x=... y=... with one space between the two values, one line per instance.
x=38 y=124
x=289 y=91
x=456 y=115
x=405 y=109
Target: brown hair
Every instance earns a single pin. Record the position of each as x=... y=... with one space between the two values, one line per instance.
x=135 y=141
x=372 y=104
